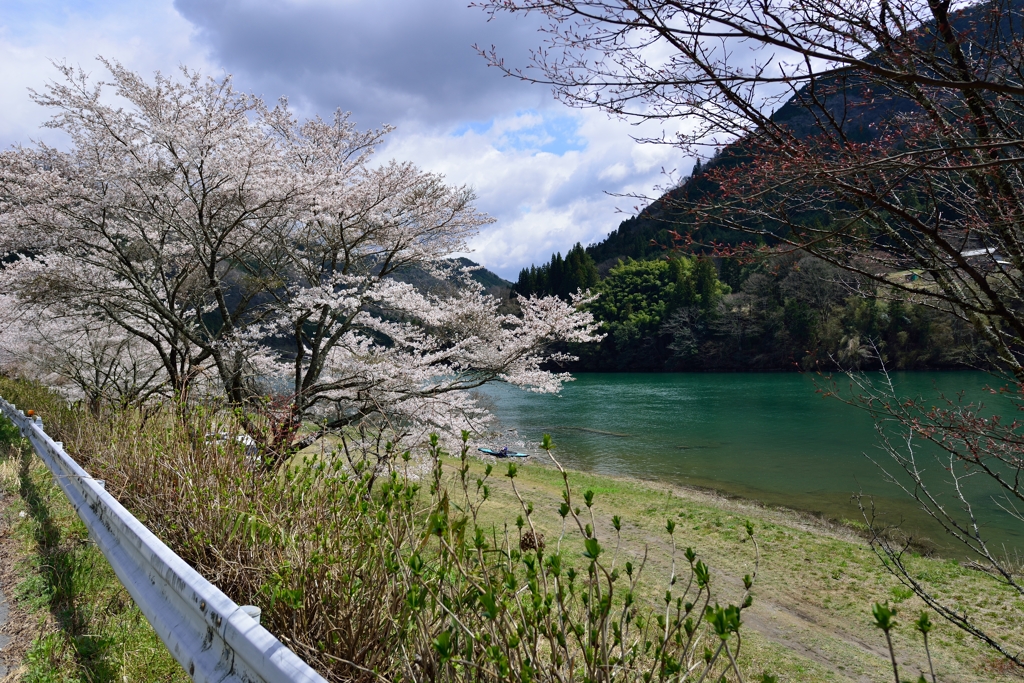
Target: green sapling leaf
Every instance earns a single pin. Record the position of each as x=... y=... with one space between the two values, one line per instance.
x=885 y=616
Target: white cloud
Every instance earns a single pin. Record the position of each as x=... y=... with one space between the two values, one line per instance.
x=542 y=170
x=144 y=36
x=544 y=202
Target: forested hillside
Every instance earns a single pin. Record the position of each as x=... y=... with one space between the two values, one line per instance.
x=668 y=306
x=787 y=311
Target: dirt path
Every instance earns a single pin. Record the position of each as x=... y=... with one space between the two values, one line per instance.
x=16 y=630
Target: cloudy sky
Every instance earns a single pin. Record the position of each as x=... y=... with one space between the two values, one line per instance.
x=545 y=172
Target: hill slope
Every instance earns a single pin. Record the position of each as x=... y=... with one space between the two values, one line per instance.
x=864 y=109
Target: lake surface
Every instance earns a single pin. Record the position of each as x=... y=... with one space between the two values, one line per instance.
x=766 y=436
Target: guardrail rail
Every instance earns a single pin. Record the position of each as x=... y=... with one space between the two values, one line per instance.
x=213 y=638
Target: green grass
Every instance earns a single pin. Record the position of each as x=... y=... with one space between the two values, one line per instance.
x=90 y=630
x=811 y=619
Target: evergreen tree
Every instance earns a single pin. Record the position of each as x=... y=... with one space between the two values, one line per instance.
x=580 y=271
x=556 y=275
x=704 y=280
x=560 y=276
x=683 y=292
x=731 y=272
x=525 y=284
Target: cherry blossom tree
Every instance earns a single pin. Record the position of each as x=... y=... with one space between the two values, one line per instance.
x=85 y=358
x=153 y=216
x=241 y=244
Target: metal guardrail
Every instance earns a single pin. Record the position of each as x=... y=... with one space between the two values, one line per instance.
x=205 y=631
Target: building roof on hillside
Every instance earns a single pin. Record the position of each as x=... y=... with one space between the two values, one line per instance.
x=985 y=251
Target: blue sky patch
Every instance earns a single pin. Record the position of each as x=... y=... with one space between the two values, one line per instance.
x=555 y=134
x=22 y=17
x=478 y=127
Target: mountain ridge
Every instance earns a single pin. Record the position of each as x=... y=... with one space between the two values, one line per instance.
x=864 y=108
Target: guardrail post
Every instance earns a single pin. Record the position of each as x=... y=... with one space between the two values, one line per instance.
x=253 y=611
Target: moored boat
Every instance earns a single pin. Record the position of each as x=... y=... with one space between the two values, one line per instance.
x=503 y=453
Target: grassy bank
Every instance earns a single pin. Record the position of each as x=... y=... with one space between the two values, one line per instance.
x=811 y=617
x=82 y=625
x=368 y=580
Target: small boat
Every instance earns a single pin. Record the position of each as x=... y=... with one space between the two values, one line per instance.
x=500 y=453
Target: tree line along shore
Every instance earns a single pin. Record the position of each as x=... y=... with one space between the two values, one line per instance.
x=774 y=310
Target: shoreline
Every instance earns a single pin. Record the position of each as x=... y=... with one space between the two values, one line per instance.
x=811 y=521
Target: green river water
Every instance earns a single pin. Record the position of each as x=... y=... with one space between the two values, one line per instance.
x=768 y=437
